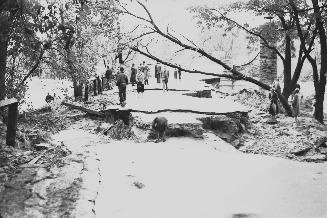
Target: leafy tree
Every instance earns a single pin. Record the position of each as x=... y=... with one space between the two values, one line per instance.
x=21 y=48
x=282 y=29
x=81 y=29
x=279 y=35
x=316 y=12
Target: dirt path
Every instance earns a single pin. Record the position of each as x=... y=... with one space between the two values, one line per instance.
x=196 y=178
x=183 y=177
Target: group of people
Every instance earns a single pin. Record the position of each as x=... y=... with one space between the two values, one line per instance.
x=275 y=91
x=139 y=77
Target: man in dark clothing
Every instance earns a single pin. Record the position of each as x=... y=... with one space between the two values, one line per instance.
x=109 y=77
x=273 y=106
x=99 y=84
x=133 y=75
x=159 y=125
x=179 y=73
x=122 y=81
x=157 y=71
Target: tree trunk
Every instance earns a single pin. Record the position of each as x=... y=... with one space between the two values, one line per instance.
x=319 y=108
x=86 y=92
x=287 y=67
x=4 y=38
x=285 y=104
x=320 y=90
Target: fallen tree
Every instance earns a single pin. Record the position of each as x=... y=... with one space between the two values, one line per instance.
x=191 y=46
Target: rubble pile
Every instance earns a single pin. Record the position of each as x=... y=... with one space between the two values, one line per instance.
x=302 y=141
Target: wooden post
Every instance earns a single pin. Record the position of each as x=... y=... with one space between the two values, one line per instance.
x=99 y=85
x=95 y=87
x=12 y=124
x=86 y=93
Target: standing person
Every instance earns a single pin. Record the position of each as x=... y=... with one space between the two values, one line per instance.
x=273 y=106
x=146 y=73
x=179 y=73
x=277 y=86
x=175 y=73
x=157 y=69
x=158 y=72
x=109 y=77
x=99 y=84
x=165 y=76
x=140 y=82
x=133 y=74
x=122 y=82
x=296 y=103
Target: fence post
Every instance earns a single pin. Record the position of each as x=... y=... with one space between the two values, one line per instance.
x=86 y=92
x=95 y=87
x=12 y=124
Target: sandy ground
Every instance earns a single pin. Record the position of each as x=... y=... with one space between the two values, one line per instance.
x=205 y=178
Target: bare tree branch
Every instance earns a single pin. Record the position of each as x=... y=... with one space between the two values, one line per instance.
x=36 y=65
x=143 y=34
x=128 y=12
x=243 y=65
x=233 y=75
x=252 y=33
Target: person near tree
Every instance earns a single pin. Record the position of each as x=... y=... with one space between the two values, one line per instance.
x=277 y=86
x=273 y=106
x=133 y=74
x=99 y=84
x=296 y=103
x=122 y=82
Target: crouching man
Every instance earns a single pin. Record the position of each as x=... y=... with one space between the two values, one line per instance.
x=159 y=125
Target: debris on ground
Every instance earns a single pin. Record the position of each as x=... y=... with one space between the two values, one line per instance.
x=138 y=185
x=302 y=141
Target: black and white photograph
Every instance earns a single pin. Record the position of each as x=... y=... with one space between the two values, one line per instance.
x=163 y=108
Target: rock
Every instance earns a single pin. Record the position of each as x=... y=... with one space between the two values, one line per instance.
x=42 y=146
x=200 y=94
x=301 y=151
x=323 y=150
x=225 y=127
x=316 y=158
x=320 y=142
x=272 y=121
x=138 y=185
x=236 y=143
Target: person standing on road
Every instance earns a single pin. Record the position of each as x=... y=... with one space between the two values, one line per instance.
x=179 y=73
x=140 y=82
x=122 y=82
x=133 y=74
x=158 y=72
x=165 y=76
x=146 y=73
